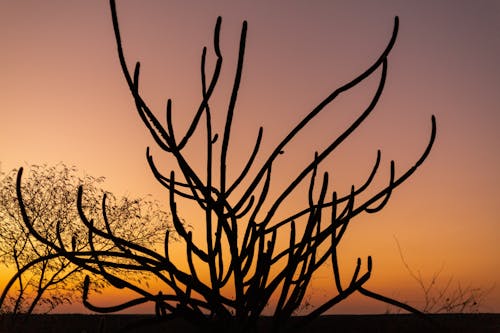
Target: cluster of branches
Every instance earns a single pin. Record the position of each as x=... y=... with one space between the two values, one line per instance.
x=442 y=295
x=45 y=278
x=247 y=269
x=449 y=295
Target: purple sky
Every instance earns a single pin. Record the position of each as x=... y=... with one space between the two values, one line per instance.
x=63 y=98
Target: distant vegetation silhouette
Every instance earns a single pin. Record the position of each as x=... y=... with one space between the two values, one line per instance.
x=45 y=277
x=234 y=266
x=445 y=295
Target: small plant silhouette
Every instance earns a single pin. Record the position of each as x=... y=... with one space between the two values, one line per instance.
x=247 y=270
x=441 y=295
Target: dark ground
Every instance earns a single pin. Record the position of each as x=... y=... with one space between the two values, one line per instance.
x=74 y=323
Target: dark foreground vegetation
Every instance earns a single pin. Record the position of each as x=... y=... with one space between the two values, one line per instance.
x=254 y=254
x=77 y=323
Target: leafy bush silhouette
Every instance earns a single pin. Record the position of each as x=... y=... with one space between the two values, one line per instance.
x=45 y=279
x=247 y=271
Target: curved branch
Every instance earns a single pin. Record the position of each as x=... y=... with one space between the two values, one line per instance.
x=279 y=148
x=332 y=146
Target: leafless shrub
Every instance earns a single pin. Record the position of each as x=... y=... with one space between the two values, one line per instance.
x=246 y=267
x=445 y=295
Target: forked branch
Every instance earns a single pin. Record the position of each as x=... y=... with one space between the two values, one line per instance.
x=247 y=265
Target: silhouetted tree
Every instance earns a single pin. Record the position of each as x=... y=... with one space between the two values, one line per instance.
x=238 y=268
x=46 y=278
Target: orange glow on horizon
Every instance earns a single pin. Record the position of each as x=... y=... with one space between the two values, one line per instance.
x=65 y=99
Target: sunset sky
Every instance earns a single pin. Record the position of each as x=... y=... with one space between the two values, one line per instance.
x=63 y=98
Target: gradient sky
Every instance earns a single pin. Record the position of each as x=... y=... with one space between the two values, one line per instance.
x=63 y=98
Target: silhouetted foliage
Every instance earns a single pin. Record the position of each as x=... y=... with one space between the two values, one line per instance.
x=46 y=278
x=236 y=268
x=442 y=295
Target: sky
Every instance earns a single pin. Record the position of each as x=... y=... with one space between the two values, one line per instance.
x=63 y=98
